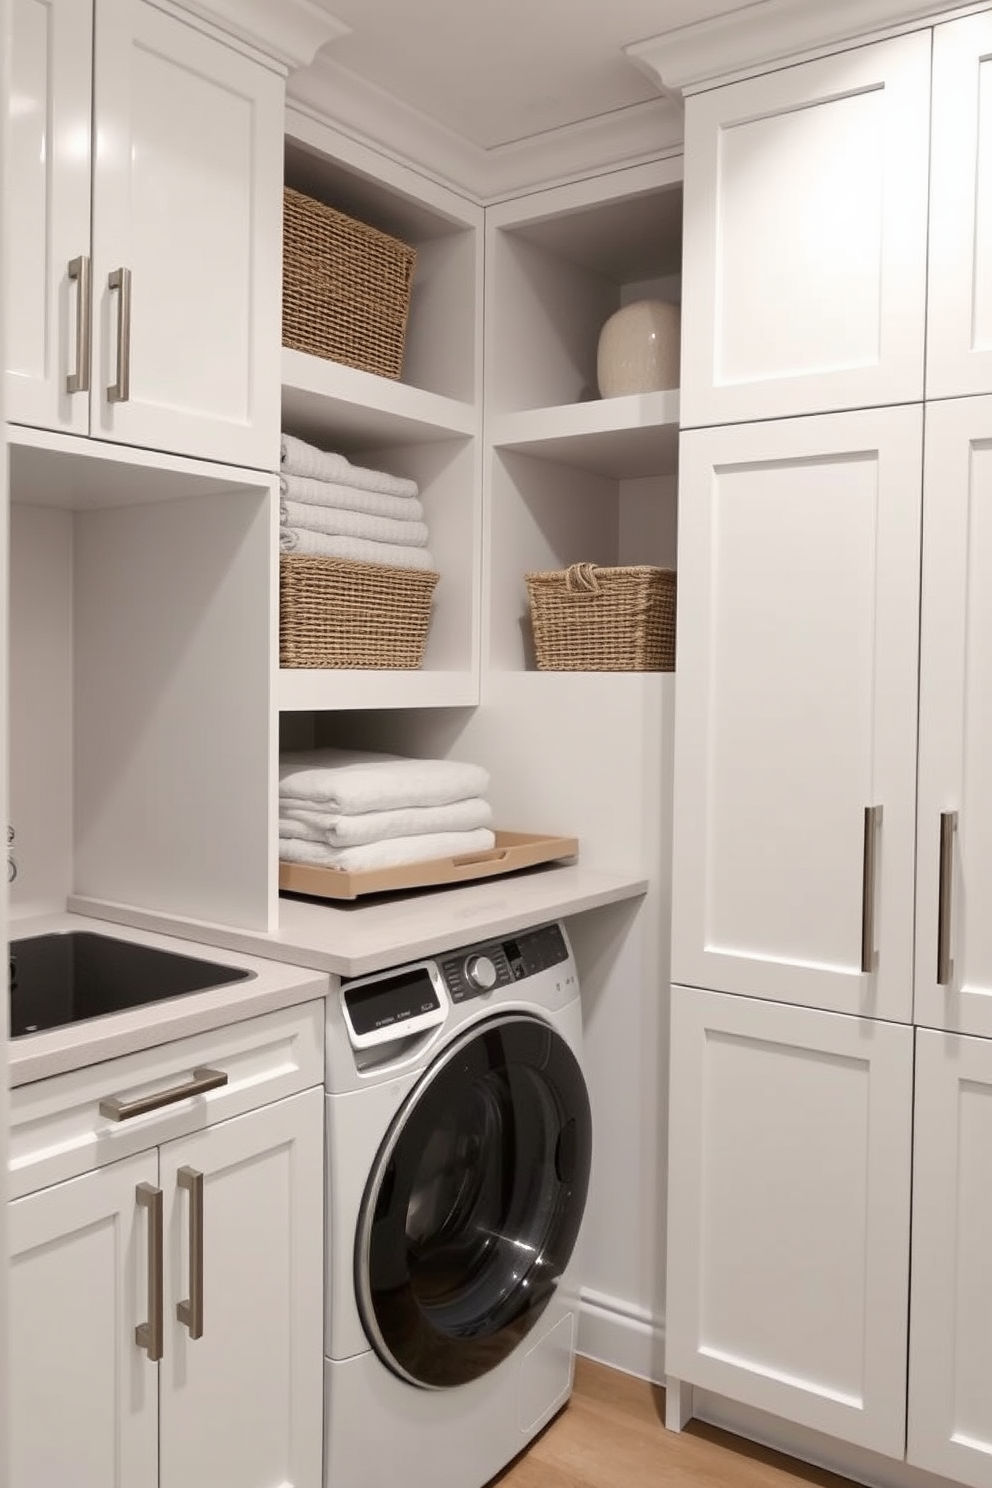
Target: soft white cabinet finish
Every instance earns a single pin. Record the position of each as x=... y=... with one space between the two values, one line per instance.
x=241 y=1405
x=797 y=663
x=806 y=237
x=50 y=106
x=789 y=1195
x=236 y=1398
x=959 y=299
x=950 y=1358
x=954 y=989
x=184 y=244
x=84 y=1399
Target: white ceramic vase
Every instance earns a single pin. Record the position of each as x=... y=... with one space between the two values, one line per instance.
x=639 y=349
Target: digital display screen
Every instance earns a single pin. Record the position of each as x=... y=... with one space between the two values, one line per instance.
x=392 y=1000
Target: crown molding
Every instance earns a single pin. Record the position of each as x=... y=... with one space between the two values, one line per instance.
x=291 y=32
x=336 y=96
x=767 y=32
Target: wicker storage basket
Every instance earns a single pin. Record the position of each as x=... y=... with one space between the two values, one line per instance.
x=345 y=287
x=589 y=619
x=335 y=613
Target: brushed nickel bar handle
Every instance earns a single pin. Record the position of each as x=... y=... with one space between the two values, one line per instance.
x=873 y=821
x=116 y=1109
x=149 y=1335
x=79 y=381
x=120 y=391
x=945 y=964
x=190 y=1311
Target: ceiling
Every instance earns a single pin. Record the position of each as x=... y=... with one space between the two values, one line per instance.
x=496 y=72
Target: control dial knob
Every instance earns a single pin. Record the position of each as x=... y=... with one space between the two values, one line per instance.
x=481 y=973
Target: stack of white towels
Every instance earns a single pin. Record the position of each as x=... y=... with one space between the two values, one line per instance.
x=334 y=509
x=357 y=810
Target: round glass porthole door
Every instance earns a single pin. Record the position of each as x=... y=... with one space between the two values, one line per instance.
x=473 y=1207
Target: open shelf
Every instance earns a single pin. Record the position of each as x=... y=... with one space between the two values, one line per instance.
x=637 y=435
x=323 y=400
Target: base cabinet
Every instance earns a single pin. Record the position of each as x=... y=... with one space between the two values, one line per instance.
x=789 y=1210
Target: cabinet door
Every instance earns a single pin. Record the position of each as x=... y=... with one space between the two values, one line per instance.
x=241 y=1404
x=49 y=223
x=959 y=311
x=805 y=237
x=954 y=979
x=83 y=1407
x=187 y=199
x=789 y=1208
x=797 y=674
x=950 y=1353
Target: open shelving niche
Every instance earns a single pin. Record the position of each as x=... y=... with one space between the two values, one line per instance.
x=425 y=425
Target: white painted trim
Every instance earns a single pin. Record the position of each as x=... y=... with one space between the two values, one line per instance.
x=5 y=52
x=622 y=1335
x=291 y=32
x=335 y=96
x=768 y=32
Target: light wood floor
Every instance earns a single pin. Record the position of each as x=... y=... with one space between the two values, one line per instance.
x=612 y=1435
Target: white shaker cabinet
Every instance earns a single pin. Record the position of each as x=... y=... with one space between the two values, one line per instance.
x=795 y=750
x=950 y=1358
x=954 y=845
x=804 y=286
x=166 y=1294
x=789 y=1209
x=155 y=320
x=83 y=1407
x=959 y=298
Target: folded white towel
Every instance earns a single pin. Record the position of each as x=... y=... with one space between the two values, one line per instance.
x=300 y=458
x=352 y=781
x=340 y=523
x=358 y=549
x=388 y=854
x=351 y=498
x=336 y=830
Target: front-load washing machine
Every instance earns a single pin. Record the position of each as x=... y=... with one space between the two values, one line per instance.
x=458 y=1151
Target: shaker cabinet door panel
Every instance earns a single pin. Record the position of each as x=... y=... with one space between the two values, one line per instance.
x=789 y=1198
x=950 y=1371
x=797 y=666
x=241 y=1402
x=805 y=237
x=954 y=841
x=959 y=306
x=83 y=1403
x=187 y=201
x=48 y=227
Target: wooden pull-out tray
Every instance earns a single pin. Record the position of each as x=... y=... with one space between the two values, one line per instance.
x=513 y=850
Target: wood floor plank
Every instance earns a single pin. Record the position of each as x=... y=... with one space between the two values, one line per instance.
x=612 y=1435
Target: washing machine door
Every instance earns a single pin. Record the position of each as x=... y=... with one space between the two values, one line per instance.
x=473 y=1207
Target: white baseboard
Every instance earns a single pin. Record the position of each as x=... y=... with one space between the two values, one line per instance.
x=622 y=1335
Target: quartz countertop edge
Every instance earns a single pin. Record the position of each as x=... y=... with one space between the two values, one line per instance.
x=361 y=936
x=274 y=985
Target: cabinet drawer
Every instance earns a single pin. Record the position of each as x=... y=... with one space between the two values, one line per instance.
x=76 y=1122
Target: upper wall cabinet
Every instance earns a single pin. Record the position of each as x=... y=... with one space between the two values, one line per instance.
x=151 y=319
x=959 y=311
x=806 y=237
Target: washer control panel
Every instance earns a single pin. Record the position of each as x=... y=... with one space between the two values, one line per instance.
x=475 y=970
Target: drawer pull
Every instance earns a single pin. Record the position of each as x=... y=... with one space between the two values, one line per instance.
x=869 y=956
x=203 y=1080
x=945 y=964
x=79 y=381
x=149 y=1335
x=190 y=1311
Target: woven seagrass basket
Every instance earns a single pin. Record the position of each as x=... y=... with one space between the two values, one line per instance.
x=336 y=613
x=590 y=619
x=345 y=287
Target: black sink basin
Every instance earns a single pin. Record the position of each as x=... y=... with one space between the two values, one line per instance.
x=75 y=974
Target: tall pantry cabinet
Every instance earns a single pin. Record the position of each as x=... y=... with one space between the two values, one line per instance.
x=830 y=950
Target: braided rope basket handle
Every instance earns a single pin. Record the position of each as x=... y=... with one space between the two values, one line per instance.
x=580 y=578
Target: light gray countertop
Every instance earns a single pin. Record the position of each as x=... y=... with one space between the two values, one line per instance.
x=35 y=1056
x=349 y=939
